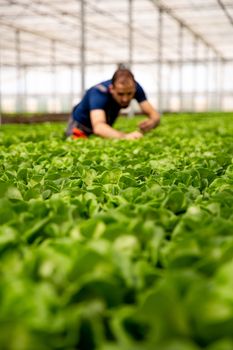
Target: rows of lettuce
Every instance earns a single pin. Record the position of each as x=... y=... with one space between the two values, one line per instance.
x=116 y=244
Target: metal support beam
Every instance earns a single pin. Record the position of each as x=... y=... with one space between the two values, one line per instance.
x=25 y=88
x=71 y=85
x=207 y=77
x=112 y=63
x=186 y=26
x=83 y=45
x=216 y=86
x=18 y=71
x=227 y=13
x=221 y=71
x=169 y=73
x=160 y=58
x=194 y=71
x=130 y=28
x=180 y=53
x=169 y=85
x=53 y=73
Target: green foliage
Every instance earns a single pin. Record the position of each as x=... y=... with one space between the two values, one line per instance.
x=117 y=244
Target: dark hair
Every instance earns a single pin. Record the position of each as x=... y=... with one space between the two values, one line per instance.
x=123 y=75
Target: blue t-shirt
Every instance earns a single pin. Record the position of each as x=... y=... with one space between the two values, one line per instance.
x=99 y=97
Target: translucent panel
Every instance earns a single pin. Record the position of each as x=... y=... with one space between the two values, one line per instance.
x=187 y=40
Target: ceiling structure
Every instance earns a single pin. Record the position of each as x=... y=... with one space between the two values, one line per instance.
x=182 y=49
x=38 y=32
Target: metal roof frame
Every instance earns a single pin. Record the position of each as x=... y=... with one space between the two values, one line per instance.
x=61 y=22
x=88 y=33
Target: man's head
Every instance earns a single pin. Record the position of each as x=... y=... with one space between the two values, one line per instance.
x=123 y=87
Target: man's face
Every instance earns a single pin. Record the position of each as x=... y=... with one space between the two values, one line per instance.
x=123 y=93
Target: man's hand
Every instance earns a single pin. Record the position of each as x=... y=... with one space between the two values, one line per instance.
x=147 y=124
x=153 y=117
x=133 y=135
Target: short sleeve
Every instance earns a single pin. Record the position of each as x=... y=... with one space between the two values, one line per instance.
x=97 y=99
x=140 y=95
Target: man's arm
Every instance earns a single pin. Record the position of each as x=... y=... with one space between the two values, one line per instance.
x=153 y=116
x=101 y=128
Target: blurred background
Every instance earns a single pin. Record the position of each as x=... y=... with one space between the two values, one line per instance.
x=181 y=51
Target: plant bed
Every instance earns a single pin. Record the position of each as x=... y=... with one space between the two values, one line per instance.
x=117 y=244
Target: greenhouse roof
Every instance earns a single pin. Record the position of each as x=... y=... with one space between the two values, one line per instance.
x=41 y=32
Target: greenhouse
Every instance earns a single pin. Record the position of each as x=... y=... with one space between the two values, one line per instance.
x=51 y=52
x=116 y=175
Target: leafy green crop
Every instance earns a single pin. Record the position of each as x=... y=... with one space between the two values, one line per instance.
x=117 y=244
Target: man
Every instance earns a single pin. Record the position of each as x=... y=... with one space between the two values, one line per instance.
x=101 y=104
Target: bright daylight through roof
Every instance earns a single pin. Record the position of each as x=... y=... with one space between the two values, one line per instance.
x=52 y=51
